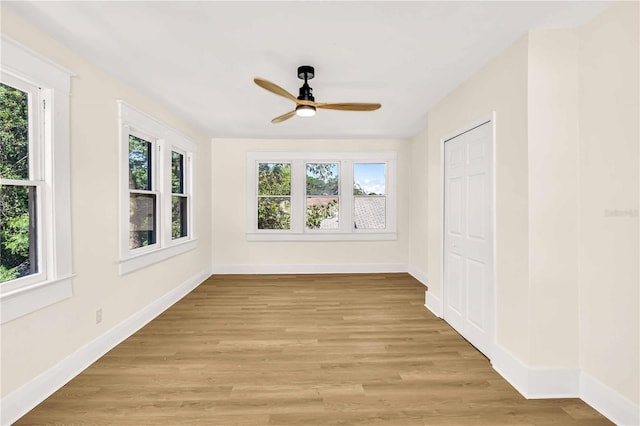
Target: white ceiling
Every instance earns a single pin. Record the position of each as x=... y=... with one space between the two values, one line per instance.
x=199 y=58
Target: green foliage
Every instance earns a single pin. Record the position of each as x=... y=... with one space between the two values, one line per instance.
x=14 y=133
x=8 y=274
x=16 y=238
x=178 y=217
x=274 y=213
x=14 y=200
x=139 y=163
x=177 y=173
x=274 y=179
x=322 y=179
x=316 y=214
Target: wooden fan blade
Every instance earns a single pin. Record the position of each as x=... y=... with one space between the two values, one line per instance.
x=284 y=117
x=274 y=88
x=350 y=106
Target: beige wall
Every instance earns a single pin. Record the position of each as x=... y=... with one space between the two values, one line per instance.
x=566 y=106
x=501 y=86
x=231 y=248
x=36 y=342
x=552 y=191
x=608 y=162
x=418 y=208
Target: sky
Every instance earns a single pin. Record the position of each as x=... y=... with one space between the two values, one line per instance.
x=370 y=176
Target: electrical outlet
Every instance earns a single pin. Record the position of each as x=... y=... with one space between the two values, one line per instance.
x=99 y=316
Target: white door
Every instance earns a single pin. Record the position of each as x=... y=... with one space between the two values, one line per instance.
x=468 y=276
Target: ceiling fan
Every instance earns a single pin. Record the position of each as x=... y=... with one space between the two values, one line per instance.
x=305 y=102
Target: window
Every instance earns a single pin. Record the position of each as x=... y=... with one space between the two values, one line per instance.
x=21 y=178
x=274 y=196
x=179 y=197
x=322 y=203
x=156 y=214
x=321 y=196
x=369 y=199
x=142 y=194
x=35 y=234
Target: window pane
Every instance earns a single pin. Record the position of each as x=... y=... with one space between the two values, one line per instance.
x=322 y=213
x=369 y=212
x=18 y=232
x=369 y=189
x=178 y=216
x=14 y=133
x=142 y=220
x=322 y=179
x=274 y=213
x=139 y=163
x=369 y=179
x=177 y=173
x=274 y=179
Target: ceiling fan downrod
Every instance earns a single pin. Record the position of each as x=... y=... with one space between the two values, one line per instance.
x=306 y=72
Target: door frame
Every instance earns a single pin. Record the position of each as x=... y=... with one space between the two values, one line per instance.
x=488 y=118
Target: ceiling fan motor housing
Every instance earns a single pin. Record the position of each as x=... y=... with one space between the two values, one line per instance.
x=306 y=72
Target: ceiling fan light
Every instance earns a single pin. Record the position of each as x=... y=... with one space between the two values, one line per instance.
x=305 y=111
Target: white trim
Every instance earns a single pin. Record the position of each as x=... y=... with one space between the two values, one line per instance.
x=155 y=256
x=608 y=402
x=418 y=275
x=164 y=140
x=317 y=236
x=298 y=231
x=535 y=382
x=33 y=67
x=538 y=383
x=340 y=268
x=433 y=303
x=20 y=401
x=52 y=107
x=23 y=300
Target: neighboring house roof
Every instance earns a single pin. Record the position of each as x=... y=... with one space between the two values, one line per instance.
x=369 y=213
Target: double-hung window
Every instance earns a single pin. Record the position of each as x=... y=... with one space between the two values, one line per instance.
x=35 y=226
x=157 y=218
x=321 y=196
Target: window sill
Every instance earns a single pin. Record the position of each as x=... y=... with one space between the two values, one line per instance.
x=318 y=236
x=31 y=298
x=143 y=260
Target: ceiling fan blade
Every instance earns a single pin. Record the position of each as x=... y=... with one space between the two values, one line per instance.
x=274 y=88
x=345 y=106
x=284 y=117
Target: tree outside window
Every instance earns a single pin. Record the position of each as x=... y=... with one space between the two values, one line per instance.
x=17 y=194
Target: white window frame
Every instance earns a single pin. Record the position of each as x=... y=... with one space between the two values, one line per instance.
x=49 y=86
x=187 y=180
x=164 y=140
x=298 y=231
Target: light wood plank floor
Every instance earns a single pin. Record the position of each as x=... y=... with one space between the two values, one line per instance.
x=300 y=350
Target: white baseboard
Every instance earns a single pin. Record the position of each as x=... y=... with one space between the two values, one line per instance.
x=433 y=303
x=22 y=400
x=607 y=401
x=338 y=268
x=536 y=382
x=418 y=275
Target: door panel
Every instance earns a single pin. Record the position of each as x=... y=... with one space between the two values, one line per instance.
x=455 y=212
x=455 y=282
x=476 y=197
x=468 y=236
